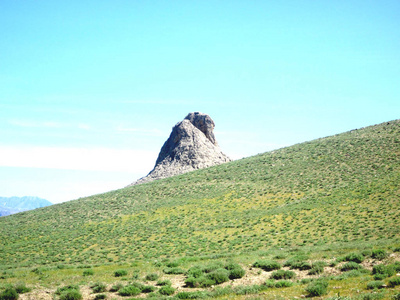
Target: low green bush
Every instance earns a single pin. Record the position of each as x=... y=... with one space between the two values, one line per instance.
x=202 y=281
x=88 y=272
x=172 y=264
x=221 y=291
x=167 y=290
x=247 y=289
x=9 y=294
x=174 y=271
x=382 y=271
x=397 y=296
x=267 y=265
x=193 y=295
x=351 y=265
x=236 y=273
x=60 y=290
x=219 y=276
x=376 y=284
x=152 y=277
x=120 y=273
x=100 y=296
x=148 y=289
x=295 y=262
x=351 y=274
x=394 y=281
x=71 y=295
x=282 y=274
x=302 y=265
x=317 y=288
x=372 y=296
x=116 y=287
x=283 y=283
x=315 y=270
x=164 y=282
x=379 y=254
x=355 y=257
x=129 y=290
x=21 y=288
x=98 y=287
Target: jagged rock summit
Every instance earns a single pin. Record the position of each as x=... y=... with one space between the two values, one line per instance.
x=191 y=146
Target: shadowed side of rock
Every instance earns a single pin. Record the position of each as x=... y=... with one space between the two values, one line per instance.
x=191 y=146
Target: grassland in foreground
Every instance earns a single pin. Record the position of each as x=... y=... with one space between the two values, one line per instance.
x=315 y=202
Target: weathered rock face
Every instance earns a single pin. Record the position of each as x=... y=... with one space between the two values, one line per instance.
x=191 y=146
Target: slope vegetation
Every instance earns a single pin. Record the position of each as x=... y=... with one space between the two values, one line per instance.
x=323 y=197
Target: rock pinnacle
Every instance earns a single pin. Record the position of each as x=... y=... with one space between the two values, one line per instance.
x=191 y=146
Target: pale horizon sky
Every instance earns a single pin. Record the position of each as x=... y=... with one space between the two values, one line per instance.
x=90 y=90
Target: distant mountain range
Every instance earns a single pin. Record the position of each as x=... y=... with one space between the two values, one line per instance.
x=12 y=205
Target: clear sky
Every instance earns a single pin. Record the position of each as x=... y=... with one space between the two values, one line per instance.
x=89 y=90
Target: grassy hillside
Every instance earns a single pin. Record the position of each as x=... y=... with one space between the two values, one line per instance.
x=322 y=198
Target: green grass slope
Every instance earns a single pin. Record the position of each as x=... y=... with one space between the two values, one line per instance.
x=332 y=190
x=339 y=193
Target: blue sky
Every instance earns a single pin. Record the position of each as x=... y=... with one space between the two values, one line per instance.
x=89 y=90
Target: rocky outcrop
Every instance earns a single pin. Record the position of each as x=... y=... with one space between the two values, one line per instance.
x=191 y=146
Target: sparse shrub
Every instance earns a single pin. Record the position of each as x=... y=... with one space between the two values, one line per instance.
x=351 y=265
x=317 y=288
x=219 y=291
x=88 y=272
x=376 y=284
x=219 y=276
x=236 y=273
x=21 y=288
x=382 y=271
x=116 y=287
x=71 y=295
x=152 y=277
x=373 y=296
x=164 y=282
x=172 y=264
x=148 y=289
x=351 y=273
x=98 y=287
x=129 y=290
x=317 y=268
x=212 y=267
x=120 y=273
x=9 y=294
x=167 y=290
x=355 y=257
x=397 y=296
x=282 y=274
x=394 y=281
x=295 y=261
x=379 y=254
x=201 y=281
x=193 y=295
x=269 y=283
x=283 y=283
x=306 y=280
x=100 y=296
x=380 y=276
x=247 y=289
x=267 y=265
x=302 y=265
x=37 y=271
x=194 y=272
x=366 y=252
x=174 y=271
x=60 y=290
